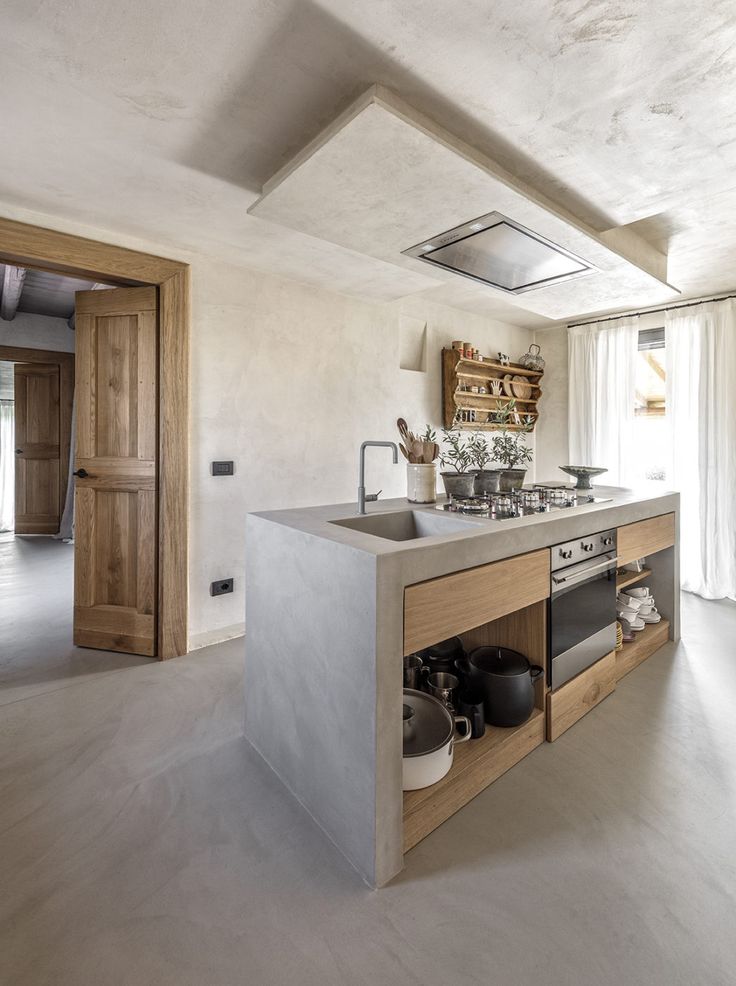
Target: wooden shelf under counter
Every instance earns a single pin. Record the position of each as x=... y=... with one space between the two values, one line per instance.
x=644 y=644
x=625 y=579
x=476 y=764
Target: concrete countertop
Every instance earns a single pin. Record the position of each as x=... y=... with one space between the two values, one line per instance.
x=482 y=540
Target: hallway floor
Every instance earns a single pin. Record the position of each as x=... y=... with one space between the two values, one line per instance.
x=145 y=843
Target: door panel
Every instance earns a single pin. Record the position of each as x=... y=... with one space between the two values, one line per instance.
x=37 y=443
x=116 y=503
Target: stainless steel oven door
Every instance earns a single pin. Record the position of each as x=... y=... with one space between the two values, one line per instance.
x=582 y=617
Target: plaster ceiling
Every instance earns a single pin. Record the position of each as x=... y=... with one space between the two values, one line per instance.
x=49 y=294
x=336 y=189
x=166 y=124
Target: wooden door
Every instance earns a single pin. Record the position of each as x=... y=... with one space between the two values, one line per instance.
x=37 y=448
x=116 y=468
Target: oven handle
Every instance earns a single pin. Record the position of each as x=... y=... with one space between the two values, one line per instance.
x=582 y=576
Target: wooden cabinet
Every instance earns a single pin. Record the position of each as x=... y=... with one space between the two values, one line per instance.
x=645 y=537
x=440 y=608
x=576 y=698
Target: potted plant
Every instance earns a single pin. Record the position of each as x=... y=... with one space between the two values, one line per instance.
x=511 y=451
x=486 y=480
x=456 y=455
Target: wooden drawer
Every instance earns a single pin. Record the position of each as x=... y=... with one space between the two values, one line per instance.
x=645 y=537
x=579 y=696
x=443 y=607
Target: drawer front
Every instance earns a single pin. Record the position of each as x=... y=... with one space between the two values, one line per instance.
x=645 y=537
x=579 y=696
x=449 y=605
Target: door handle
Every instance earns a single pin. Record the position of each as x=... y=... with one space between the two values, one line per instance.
x=19 y=451
x=82 y=473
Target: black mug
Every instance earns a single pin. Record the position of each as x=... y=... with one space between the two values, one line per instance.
x=470 y=704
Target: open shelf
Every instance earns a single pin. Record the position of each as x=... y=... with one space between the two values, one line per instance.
x=456 y=368
x=493 y=368
x=644 y=644
x=476 y=764
x=625 y=579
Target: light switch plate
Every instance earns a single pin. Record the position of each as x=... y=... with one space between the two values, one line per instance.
x=223 y=468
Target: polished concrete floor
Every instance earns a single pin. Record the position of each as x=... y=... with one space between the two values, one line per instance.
x=144 y=844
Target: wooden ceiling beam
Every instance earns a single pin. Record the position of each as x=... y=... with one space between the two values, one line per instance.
x=13 y=279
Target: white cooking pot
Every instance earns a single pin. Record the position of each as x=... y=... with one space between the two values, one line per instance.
x=429 y=739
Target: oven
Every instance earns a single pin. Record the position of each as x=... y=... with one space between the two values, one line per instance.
x=582 y=605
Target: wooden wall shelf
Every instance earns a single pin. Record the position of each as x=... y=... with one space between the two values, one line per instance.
x=456 y=370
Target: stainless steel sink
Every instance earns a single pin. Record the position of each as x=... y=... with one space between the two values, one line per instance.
x=406 y=525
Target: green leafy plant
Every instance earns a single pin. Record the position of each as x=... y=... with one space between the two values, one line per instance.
x=480 y=453
x=509 y=447
x=456 y=453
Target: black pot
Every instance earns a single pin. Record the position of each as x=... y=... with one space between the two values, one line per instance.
x=506 y=680
x=442 y=656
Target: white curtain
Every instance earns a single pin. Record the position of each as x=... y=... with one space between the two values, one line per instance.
x=701 y=407
x=602 y=375
x=7 y=465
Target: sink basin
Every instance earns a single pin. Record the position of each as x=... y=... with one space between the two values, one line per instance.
x=406 y=525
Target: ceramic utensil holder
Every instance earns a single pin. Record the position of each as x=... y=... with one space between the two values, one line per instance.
x=421 y=482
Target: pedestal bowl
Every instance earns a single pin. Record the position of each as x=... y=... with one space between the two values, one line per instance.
x=583 y=475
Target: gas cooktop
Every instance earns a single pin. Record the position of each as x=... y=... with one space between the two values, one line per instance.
x=525 y=502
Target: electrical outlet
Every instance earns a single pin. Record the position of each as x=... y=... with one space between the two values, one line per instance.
x=222 y=586
x=223 y=468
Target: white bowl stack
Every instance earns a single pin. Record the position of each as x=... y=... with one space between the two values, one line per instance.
x=636 y=609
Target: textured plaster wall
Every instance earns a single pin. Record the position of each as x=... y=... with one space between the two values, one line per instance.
x=288 y=379
x=37 y=332
x=552 y=430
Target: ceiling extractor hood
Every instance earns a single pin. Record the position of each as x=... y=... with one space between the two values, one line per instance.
x=495 y=250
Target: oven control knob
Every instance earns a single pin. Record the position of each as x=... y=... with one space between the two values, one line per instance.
x=607 y=541
x=586 y=547
x=566 y=553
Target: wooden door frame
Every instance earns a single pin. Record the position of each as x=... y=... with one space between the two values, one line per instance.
x=65 y=362
x=64 y=253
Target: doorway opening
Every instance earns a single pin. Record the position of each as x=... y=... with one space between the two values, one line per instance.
x=119 y=330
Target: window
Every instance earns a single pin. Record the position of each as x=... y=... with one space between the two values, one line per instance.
x=650 y=434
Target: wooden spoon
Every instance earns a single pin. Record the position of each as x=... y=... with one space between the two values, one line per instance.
x=404 y=431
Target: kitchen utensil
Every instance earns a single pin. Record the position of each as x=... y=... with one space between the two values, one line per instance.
x=470 y=704
x=583 y=475
x=428 y=753
x=508 y=385
x=506 y=680
x=443 y=686
x=521 y=387
x=532 y=359
x=442 y=656
x=403 y=431
x=414 y=671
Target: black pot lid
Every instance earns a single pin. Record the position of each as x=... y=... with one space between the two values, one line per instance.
x=433 y=724
x=499 y=660
x=445 y=650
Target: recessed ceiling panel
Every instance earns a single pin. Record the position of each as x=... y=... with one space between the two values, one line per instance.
x=381 y=179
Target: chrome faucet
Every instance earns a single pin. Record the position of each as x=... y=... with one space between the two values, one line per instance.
x=364 y=497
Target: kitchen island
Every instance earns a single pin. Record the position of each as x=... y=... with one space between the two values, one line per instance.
x=334 y=601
